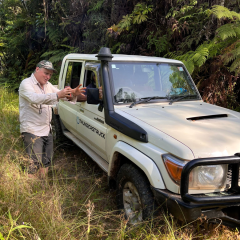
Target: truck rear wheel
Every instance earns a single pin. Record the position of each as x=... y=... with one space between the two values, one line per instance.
x=134 y=195
x=58 y=135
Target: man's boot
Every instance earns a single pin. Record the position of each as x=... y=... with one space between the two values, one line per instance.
x=32 y=171
x=43 y=172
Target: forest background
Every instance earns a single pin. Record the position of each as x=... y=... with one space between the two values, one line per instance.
x=204 y=34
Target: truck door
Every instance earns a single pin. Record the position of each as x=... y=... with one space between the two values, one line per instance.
x=71 y=77
x=91 y=126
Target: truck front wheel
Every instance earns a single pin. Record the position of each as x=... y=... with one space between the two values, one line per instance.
x=134 y=195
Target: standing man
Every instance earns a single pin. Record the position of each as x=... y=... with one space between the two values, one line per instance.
x=36 y=95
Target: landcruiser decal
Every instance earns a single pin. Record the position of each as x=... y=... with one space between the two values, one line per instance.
x=99 y=133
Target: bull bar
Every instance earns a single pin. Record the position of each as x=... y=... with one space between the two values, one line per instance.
x=189 y=207
x=234 y=191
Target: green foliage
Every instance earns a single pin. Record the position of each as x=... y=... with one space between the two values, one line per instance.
x=95 y=26
x=14 y=226
x=235 y=65
x=200 y=56
x=226 y=35
x=231 y=57
x=31 y=31
x=223 y=12
x=116 y=48
x=185 y=9
x=138 y=16
x=193 y=31
x=97 y=6
x=140 y=13
x=196 y=58
x=1 y=236
x=229 y=30
x=58 y=55
x=159 y=42
x=209 y=48
x=125 y=23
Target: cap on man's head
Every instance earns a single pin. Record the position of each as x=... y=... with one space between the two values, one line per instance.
x=46 y=64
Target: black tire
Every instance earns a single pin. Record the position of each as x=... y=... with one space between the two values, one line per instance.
x=134 y=195
x=58 y=135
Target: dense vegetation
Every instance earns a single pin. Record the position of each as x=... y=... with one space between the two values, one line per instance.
x=203 y=34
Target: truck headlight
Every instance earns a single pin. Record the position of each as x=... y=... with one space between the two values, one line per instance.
x=202 y=177
x=208 y=177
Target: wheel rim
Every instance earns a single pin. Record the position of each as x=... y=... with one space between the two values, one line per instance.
x=132 y=203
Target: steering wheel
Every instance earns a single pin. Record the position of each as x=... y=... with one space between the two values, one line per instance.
x=128 y=88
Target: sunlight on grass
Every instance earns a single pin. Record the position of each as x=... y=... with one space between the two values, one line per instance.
x=74 y=201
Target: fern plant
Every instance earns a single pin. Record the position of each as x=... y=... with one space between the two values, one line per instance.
x=128 y=28
x=212 y=57
x=159 y=42
x=138 y=16
x=223 y=12
x=225 y=36
x=96 y=6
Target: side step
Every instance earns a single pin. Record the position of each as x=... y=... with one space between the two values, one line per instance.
x=100 y=161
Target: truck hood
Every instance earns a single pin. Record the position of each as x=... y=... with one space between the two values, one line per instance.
x=208 y=130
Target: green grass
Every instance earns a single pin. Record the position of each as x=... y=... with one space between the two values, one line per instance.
x=74 y=202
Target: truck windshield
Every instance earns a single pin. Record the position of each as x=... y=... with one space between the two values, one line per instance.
x=134 y=81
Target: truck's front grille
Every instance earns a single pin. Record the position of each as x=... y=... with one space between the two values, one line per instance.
x=229 y=177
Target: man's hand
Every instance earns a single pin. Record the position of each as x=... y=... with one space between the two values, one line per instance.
x=64 y=93
x=78 y=91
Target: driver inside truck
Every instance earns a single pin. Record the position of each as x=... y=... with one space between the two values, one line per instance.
x=91 y=83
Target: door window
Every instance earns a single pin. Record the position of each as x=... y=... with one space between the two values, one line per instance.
x=73 y=74
x=91 y=79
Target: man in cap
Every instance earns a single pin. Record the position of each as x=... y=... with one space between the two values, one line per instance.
x=36 y=95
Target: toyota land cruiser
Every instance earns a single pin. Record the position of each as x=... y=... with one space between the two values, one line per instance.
x=153 y=135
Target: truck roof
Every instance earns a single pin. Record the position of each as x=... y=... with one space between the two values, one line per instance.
x=120 y=57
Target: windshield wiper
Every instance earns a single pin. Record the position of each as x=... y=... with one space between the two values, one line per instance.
x=177 y=99
x=145 y=99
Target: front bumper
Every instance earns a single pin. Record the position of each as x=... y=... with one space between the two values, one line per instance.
x=229 y=213
x=223 y=206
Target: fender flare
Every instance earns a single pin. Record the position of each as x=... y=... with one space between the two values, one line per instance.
x=146 y=164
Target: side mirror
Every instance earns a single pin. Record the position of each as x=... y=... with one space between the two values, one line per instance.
x=93 y=96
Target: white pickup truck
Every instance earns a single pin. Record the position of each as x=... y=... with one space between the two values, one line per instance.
x=159 y=143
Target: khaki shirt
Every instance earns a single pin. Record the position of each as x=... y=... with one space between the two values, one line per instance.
x=35 y=106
